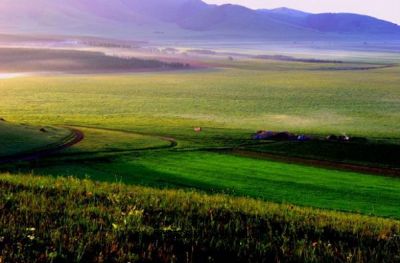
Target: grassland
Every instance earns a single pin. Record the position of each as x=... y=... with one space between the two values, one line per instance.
x=230 y=104
x=139 y=131
x=356 y=102
x=70 y=220
x=101 y=140
x=15 y=139
x=238 y=176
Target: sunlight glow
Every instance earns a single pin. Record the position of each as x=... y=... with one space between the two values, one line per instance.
x=10 y=75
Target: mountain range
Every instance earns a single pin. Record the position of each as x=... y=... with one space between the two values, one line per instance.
x=190 y=19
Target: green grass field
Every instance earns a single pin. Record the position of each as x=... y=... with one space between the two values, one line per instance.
x=109 y=141
x=230 y=104
x=139 y=130
x=356 y=102
x=15 y=139
x=69 y=220
x=261 y=179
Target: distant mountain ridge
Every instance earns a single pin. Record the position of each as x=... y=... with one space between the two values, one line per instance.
x=183 y=18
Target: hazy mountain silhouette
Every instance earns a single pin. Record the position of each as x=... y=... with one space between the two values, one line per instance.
x=182 y=18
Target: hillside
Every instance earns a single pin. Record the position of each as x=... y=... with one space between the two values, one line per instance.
x=165 y=19
x=16 y=139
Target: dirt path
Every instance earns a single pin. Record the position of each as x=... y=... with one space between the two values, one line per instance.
x=75 y=137
x=319 y=163
x=172 y=141
x=268 y=156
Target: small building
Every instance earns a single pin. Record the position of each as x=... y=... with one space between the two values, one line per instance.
x=344 y=138
x=340 y=138
x=264 y=135
x=271 y=135
x=303 y=138
x=285 y=136
x=332 y=138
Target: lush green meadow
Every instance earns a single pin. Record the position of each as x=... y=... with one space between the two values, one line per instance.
x=111 y=141
x=362 y=102
x=15 y=139
x=139 y=130
x=141 y=116
x=69 y=220
x=260 y=179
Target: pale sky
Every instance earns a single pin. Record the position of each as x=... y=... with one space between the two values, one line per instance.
x=383 y=9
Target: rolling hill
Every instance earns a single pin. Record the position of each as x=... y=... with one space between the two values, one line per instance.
x=134 y=19
x=19 y=138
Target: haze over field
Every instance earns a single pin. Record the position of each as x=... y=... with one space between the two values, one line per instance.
x=187 y=19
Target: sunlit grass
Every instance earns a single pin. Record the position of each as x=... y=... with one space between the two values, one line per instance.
x=355 y=102
x=230 y=104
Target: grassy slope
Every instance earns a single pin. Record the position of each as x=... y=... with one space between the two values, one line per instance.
x=69 y=220
x=23 y=138
x=266 y=180
x=272 y=181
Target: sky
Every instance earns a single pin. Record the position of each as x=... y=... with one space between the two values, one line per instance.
x=383 y=9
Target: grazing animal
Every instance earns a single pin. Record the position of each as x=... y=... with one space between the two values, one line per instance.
x=198 y=129
x=43 y=130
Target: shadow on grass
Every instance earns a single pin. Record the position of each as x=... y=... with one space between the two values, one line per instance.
x=111 y=168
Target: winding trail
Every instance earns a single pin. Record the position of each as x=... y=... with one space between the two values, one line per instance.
x=172 y=141
x=77 y=136
x=380 y=171
x=74 y=138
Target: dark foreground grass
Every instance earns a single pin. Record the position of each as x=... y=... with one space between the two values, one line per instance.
x=43 y=219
